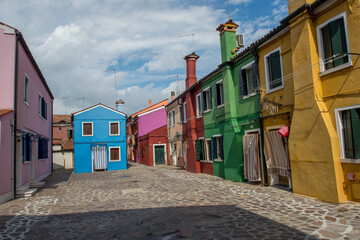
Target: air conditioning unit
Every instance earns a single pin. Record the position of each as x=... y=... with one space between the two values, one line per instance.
x=240 y=41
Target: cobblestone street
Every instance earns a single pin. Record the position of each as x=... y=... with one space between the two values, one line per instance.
x=166 y=203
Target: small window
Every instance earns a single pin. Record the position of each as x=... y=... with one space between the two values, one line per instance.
x=173 y=117
x=42 y=110
x=185 y=117
x=273 y=70
x=26 y=93
x=208 y=150
x=169 y=119
x=198 y=105
x=180 y=114
x=26 y=148
x=333 y=43
x=114 y=154
x=207 y=99
x=349 y=130
x=217 y=148
x=87 y=129
x=114 y=128
x=199 y=148
x=70 y=133
x=219 y=94
x=43 y=148
x=248 y=81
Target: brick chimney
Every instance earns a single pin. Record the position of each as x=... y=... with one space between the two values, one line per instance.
x=227 y=33
x=149 y=102
x=190 y=69
x=172 y=95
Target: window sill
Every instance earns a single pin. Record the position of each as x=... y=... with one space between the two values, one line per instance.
x=114 y=160
x=218 y=160
x=338 y=68
x=349 y=160
x=249 y=95
x=87 y=135
x=114 y=135
x=220 y=106
x=274 y=89
x=206 y=161
x=42 y=118
x=26 y=103
x=209 y=110
x=200 y=116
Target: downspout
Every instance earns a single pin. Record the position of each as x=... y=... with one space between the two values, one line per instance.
x=15 y=111
x=51 y=137
x=261 y=140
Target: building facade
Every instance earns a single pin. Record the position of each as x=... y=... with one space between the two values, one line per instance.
x=25 y=93
x=99 y=139
x=63 y=145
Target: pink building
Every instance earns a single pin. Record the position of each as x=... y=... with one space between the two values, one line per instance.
x=25 y=118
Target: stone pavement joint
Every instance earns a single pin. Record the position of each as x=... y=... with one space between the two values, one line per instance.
x=166 y=203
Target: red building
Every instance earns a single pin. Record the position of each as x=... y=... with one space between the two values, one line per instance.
x=63 y=146
x=148 y=147
x=193 y=127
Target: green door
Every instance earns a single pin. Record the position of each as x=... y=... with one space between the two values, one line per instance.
x=159 y=155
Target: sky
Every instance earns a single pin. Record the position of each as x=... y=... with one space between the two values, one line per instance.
x=100 y=51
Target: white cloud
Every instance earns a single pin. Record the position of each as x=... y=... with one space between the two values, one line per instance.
x=239 y=1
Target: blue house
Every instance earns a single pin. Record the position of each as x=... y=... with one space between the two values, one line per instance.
x=99 y=139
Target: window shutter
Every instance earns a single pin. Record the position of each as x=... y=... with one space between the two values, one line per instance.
x=69 y=137
x=338 y=40
x=45 y=110
x=42 y=107
x=221 y=147
x=355 y=125
x=202 y=153
x=39 y=148
x=24 y=148
x=214 y=148
x=46 y=148
x=254 y=71
x=242 y=83
x=28 y=148
x=198 y=149
x=275 y=70
x=210 y=98
x=325 y=32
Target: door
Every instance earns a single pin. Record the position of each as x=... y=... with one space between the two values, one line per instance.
x=99 y=157
x=252 y=163
x=174 y=152
x=159 y=155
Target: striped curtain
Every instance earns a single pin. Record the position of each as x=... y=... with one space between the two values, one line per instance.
x=251 y=157
x=99 y=157
x=275 y=154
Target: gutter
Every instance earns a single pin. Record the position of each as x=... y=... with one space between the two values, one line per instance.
x=17 y=36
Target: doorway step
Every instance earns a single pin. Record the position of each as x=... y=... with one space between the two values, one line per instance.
x=24 y=191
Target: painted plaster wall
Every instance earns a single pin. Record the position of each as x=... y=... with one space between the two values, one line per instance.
x=172 y=131
x=146 y=144
x=7 y=69
x=28 y=118
x=5 y=157
x=151 y=121
x=63 y=159
x=61 y=131
x=320 y=173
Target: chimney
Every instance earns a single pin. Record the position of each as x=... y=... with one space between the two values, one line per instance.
x=227 y=40
x=149 y=102
x=172 y=95
x=190 y=69
x=120 y=105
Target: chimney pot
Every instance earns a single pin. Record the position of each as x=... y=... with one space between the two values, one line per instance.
x=149 y=102
x=172 y=95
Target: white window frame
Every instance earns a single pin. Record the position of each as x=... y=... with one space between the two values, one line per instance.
x=173 y=117
x=267 y=72
x=82 y=129
x=180 y=114
x=320 y=45
x=110 y=129
x=246 y=68
x=116 y=160
x=165 y=153
x=206 y=91
x=208 y=158
x=184 y=109
x=339 y=128
x=221 y=93
x=27 y=90
x=169 y=119
x=217 y=136
x=198 y=106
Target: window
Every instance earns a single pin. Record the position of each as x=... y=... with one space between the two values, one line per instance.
x=217 y=147
x=348 y=124
x=199 y=148
x=114 y=153
x=273 y=70
x=173 y=117
x=198 y=105
x=169 y=119
x=42 y=110
x=43 y=148
x=181 y=148
x=219 y=94
x=87 y=128
x=26 y=93
x=248 y=81
x=70 y=133
x=333 y=42
x=180 y=114
x=208 y=150
x=26 y=148
x=114 y=128
x=207 y=99
x=185 y=117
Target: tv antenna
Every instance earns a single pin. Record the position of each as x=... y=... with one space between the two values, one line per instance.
x=228 y=6
x=114 y=70
x=177 y=84
x=193 y=37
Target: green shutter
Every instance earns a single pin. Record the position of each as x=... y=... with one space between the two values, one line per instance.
x=275 y=70
x=325 y=31
x=221 y=147
x=347 y=133
x=355 y=124
x=242 y=83
x=213 y=148
x=338 y=40
x=198 y=150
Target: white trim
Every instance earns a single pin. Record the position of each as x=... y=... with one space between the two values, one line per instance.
x=5 y=197
x=173 y=117
x=200 y=110
x=153 y=110
x=27 y=90
x=217 y=135
x=185 y=115
x=165 y=155
x=118 y=129
x=206 y=91
x=339 y=128
x=223 y=97
x=267 y=71
x=117 y=160
x=247 y=66
x=82 y=129
x=273 y=127
x=206 y=150
x=220 y=81
x=99 y=105
x=255 y=130
x=320 y=45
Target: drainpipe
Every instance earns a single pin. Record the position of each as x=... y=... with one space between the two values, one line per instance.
x=261 y=140
x=15 y=111
x=51 y=137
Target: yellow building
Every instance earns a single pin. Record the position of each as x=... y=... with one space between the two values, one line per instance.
x=324 y=142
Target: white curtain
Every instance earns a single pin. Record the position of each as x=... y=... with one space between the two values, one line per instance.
x=275 y=154
x=251 y=157
x=99 y=157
